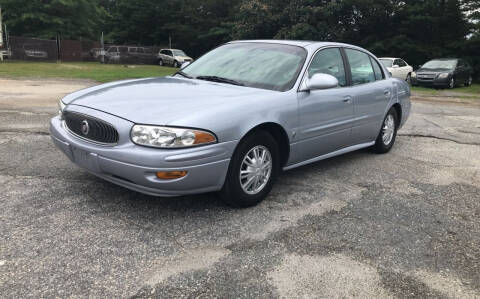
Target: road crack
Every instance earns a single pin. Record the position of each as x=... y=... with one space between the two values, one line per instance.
x=437 y=137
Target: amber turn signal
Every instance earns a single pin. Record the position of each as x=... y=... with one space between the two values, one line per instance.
x=203 y=137
x=171 y=175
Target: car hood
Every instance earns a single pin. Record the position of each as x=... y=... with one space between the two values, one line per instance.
x=164 y=101
x=183 y=57
x=422 y=70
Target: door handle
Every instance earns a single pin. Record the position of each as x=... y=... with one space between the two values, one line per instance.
x=347 y=99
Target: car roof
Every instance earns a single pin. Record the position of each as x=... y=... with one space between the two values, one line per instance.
x=444 y=59
x=299 y=43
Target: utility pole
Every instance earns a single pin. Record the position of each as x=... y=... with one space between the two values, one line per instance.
x=169 y=42
x=102 y=50
x=1 y=29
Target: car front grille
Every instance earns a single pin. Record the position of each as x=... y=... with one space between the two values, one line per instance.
x=90 y=128
x=426 y=77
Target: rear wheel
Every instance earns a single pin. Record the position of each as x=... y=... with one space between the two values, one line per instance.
x=388 y=133
x=469 y=81
x=253 y=170
x=160 y=62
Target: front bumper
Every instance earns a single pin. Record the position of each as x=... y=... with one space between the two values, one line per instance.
x=436 y=82
x=134 y=167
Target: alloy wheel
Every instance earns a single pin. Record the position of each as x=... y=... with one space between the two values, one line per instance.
x=388 y=129
x=255 y=170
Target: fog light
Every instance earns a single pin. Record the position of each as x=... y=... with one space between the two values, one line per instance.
x=171 y=175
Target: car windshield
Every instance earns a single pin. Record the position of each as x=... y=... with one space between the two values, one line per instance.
x=440 y=64
x=386 y=62
x=259 y=65
x=179 y=53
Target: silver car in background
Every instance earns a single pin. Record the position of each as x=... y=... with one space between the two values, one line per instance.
x=172 y=57
x=234 y=119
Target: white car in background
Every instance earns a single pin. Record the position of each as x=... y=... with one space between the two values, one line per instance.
x=172 y=57
x=398 y=68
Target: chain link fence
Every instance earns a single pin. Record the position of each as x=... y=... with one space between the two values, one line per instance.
x=35 y=49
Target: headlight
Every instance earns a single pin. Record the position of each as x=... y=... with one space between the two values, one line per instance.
x=61 y=106
x=168 y=137
x=414 y=75
x=443 y=75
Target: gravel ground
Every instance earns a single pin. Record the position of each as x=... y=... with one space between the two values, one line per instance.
x=404 y=224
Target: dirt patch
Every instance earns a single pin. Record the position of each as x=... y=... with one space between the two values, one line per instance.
x=335 y=276
x=37 y=93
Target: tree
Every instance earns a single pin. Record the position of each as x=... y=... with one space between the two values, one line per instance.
x=46 y=18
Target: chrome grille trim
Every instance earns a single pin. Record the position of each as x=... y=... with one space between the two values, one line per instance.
x=104 y=133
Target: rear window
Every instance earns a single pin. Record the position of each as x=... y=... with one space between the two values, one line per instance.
x=386 y=62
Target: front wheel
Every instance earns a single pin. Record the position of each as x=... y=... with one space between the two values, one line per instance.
x=253 y=170
x=451 y=85
x=409 y=79
x=388 y=133
x=176 y=64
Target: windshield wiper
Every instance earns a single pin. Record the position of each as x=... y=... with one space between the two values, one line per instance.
x=183 y=74
x=220 y=80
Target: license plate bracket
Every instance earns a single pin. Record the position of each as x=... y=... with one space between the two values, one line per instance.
x=85 y=159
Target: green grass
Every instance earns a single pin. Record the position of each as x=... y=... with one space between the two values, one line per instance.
x=81 y=70
x=473 y=90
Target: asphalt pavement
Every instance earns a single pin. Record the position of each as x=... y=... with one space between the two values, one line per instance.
x=403 y=224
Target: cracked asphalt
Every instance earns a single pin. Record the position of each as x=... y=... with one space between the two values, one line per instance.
x=404 y=224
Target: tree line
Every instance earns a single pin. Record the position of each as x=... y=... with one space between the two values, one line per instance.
x=416 y=30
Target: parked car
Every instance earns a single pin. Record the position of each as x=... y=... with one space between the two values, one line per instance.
x=398 y=68
x=129 y=54
x=95 y=53
x=114 y=54
x=445 y=72
x=233 y=119
x=33 y=52
x=172 y=57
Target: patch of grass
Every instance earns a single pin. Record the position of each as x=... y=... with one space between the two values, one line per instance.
x=474 y=89
x=82 y=70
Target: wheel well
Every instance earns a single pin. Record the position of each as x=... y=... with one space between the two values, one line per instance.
x=279 y=134
x=398 y=109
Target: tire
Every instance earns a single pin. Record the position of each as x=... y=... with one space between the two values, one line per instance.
x=384 y=145
x=176 y=64
x=160 y=62
x=238 y=196
x=469 y=81
x=409 y=79
x=451 y=85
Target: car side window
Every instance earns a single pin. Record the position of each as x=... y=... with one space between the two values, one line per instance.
x=360 y=67
x=329 y=61
x=403 y=62
x=377 y=70
x=169 y=53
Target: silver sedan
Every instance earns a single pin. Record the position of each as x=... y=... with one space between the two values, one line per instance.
x=234 y=119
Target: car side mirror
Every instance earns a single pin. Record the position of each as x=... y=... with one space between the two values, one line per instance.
x=321 y=81
x=185 y=64
x=395 y=66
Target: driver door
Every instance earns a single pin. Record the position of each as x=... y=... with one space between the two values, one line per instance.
x=326 y=116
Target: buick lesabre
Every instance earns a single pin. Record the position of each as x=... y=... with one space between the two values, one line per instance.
x=234 y=119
